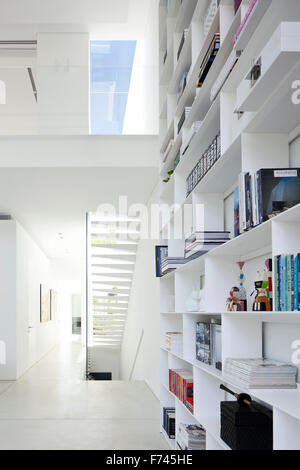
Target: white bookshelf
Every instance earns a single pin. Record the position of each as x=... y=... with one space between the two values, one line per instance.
x=258 y=138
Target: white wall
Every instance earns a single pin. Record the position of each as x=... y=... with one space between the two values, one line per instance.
x=66 y=290
x=8 y=371
x=143 y=314
x=63 y=83
x=105 y=360
x=33 y=268
x=23 y=268
x=79 y=151
x=295 y=153
x=143 y=100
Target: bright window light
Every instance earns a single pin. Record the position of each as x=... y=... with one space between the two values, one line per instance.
x=110 y=76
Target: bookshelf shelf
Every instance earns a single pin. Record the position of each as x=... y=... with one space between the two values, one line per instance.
x=185 y=15
x=268 y=119
x=208 y=130
x=169 y=163
x=202 y=102
x=258 y=138
x=171 y=442
x=253 y=21
x=173 y=8
x=163 y=110
x=183 y=64
x=167 y=68
x=169 y=135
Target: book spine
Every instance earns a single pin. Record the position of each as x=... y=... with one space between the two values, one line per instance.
x=295 y=282
x=275 y=284
x=289 y=283
x=281 y=276
x=241 y=203
x=285 y=284
x=259 y=194
x=298 y=279
x=292 y=284
x=279 y=283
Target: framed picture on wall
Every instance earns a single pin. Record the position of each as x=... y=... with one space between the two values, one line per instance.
x=53 y=305
x=45 y=313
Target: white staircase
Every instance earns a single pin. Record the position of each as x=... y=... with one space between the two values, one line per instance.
x=111 y=255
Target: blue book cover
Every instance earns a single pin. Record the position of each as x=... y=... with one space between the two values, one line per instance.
x=236 y=212
x=298 y=279
x=296 y=282
x=283 y=288
x=279 y=283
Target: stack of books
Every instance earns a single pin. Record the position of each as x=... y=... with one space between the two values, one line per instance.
x=209 y=344
x=183 y=117
x=210 y=15
x=190 y=134
x=202 y=242
x=169 y=422
x=181 y=383
x=261 y=373
x=287 y=283
x=170 y=264
x=167 y=150
x=265 y=194
x=161 y=253
x=182 y=41
x=174 y=342
x=209 y=59
x=206 y=162
x=191 y=437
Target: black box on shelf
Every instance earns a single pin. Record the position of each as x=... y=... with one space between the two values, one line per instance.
x=246 y=427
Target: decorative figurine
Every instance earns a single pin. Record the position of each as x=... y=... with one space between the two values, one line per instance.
x=261 y=302
x=193 y=301
x=269 y=290
x=233 y=302
x=242 y=290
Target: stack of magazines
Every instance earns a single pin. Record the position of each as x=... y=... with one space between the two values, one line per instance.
x=261 y=373
x=169 y=264
x=191 y=437
x=202 y=242
x=174 y=342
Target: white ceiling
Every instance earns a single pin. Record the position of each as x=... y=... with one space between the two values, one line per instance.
x=115 y=19
x=51 y=201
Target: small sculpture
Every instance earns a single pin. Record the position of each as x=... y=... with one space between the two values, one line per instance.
x=269 y=290
x=195 y=302
x=233 y=301
x=242 y=290
x=261 y=302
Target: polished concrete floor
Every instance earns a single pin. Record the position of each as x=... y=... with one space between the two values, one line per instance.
x=52 y=407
